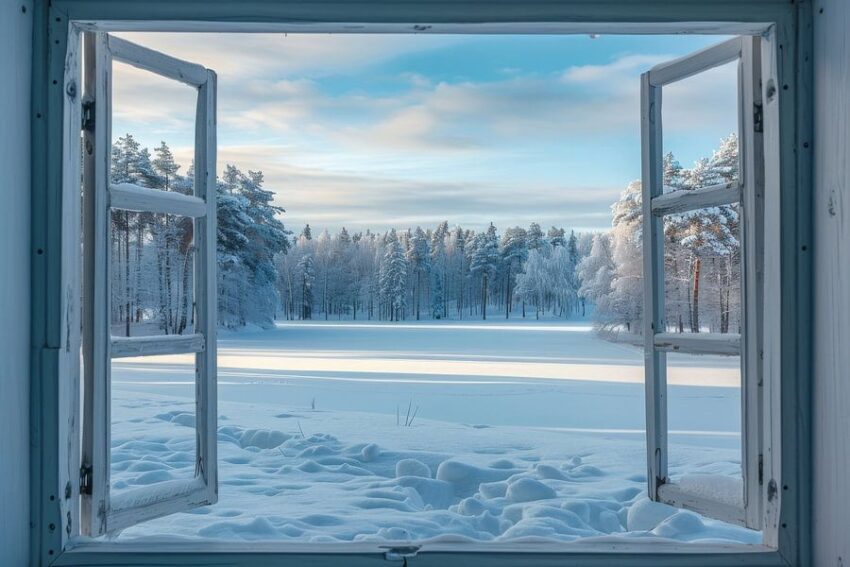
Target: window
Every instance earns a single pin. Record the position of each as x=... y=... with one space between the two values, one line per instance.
x=189 y=219
x=712 y=496
x=57 y=453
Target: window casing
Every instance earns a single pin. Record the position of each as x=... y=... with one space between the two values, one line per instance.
x=784 y=349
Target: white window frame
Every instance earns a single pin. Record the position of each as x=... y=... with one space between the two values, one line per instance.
x=747 y=190
x=786 y=32
x=101 y=511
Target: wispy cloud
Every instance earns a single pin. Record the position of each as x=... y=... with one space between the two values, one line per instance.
x=348 y=134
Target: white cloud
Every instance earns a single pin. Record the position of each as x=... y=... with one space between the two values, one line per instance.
x=357 y=159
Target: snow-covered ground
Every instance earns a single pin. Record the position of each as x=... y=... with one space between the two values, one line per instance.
x=516 y=430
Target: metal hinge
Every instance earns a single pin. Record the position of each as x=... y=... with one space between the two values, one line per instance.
x=87 y=109
x=758 y=118
x=761 y=470
x=401 y=553
x=86 y=480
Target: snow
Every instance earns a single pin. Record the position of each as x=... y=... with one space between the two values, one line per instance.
x=317 y=452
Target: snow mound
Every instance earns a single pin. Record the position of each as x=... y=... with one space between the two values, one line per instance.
x=528 y=490
x=412 y=467
x=645 y=515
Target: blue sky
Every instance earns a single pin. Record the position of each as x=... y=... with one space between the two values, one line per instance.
x=378 y=131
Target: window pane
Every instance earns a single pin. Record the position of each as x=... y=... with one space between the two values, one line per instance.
x=702 y=268
x=152 y=274
x=153 y=420
x=704 y=420
x=697 y=112
x=147 y=110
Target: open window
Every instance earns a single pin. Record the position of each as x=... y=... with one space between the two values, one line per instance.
x=736 y=500
x=189 y=217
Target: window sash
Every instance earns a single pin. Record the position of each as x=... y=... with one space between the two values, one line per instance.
x=102 y=513
x=657 y=341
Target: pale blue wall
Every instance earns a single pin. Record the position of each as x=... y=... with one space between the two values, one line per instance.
x=15 y=71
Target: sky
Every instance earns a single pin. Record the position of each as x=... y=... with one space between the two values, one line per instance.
x=373 y=131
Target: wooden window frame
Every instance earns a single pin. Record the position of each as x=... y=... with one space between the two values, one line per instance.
x=747 y=191
x=102 y=512
x=786 y=31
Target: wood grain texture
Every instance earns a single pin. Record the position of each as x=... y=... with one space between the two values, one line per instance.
x=832 y=284
x=15 y=60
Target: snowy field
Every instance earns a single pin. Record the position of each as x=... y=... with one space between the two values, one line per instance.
x=516 y=431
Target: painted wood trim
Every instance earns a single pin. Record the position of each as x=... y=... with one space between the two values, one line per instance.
x=87 y=510
x=156 y=62
x=683 y=201
x=206 y=302
x=154 y=501
x=575 y=16
x=130 y=197
x=699 y=343
x=96 y=438
x=694 y=63
x=655 y=361
x=69 y=362
x=752 y=229
x=677 y=496
x=127 y=347
x=658 y=553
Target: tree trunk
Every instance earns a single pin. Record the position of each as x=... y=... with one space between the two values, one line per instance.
x=484 y=297
x=127 y=272
x=508 y=294
x=695 y=327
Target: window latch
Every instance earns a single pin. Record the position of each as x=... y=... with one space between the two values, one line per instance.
x=401 y=553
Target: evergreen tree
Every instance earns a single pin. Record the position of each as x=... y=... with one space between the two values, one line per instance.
x=556 y=236
x=393 y=277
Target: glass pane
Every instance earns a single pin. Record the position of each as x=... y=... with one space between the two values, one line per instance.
x=702 y=267
x=700 y=129
x=704 y=420
x=152 y=274
x=153 y=420
x=153 y=129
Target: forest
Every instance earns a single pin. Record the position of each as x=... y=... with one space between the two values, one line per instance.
x=266 y=272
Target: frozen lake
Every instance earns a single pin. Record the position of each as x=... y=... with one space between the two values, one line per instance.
x=533 y=374
x=312 y=422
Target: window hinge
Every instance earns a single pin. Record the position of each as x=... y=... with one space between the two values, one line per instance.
x=86 y=480
x=87 y=115
x=401 y=553
x=758 y=118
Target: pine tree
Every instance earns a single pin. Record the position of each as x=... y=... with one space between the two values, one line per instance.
x=535 y=236
x=419 y=260
x=514 y=251
x=393 y=277
x=307 y=277
x=483 y=262
x=556 y=236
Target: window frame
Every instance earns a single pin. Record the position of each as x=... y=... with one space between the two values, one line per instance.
x=101 y=512
x=747 y=192
x=787 y=345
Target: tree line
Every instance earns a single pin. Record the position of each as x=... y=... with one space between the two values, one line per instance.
x=433 y=273
x=441 y=272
